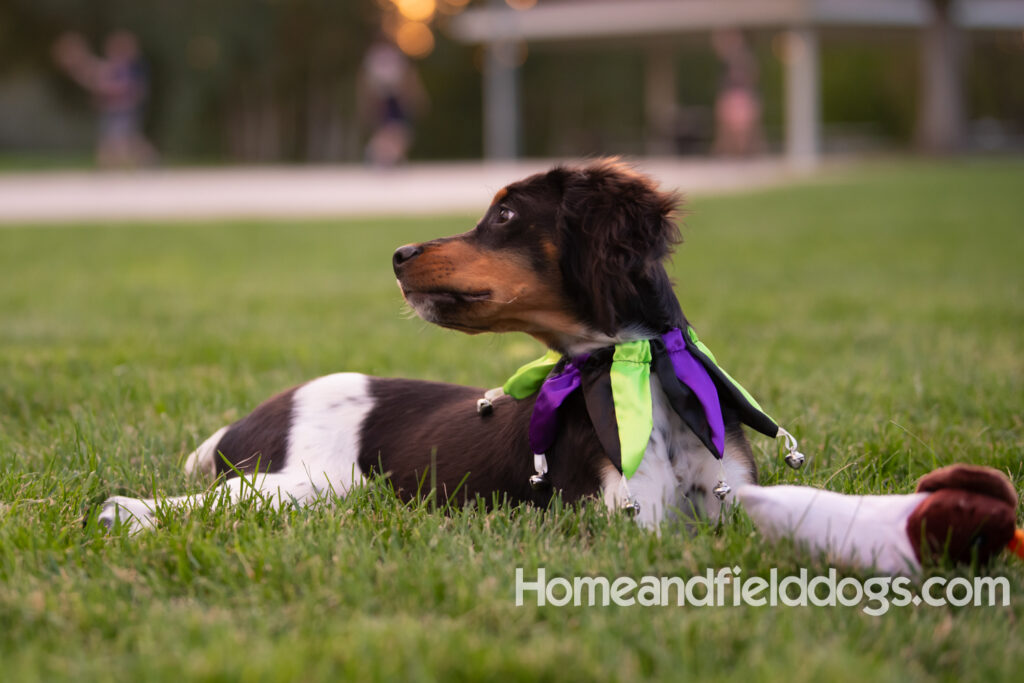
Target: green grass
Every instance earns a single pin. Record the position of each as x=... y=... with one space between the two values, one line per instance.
x=33 y=163
x=878 y=316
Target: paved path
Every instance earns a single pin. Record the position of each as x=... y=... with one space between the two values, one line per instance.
x=320 y=191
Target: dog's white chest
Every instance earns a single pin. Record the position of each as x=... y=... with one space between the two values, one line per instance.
x=678 y=474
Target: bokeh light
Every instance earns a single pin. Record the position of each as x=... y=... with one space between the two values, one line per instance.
x=451 y=7
x=415 y=39
x=416 y=10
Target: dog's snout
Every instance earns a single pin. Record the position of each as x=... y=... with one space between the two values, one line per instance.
x=405 y=254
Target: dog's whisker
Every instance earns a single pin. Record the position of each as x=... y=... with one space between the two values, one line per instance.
x=497 y=301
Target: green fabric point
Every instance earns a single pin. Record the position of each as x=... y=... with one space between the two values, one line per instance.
x=526 y=380
x=700 y=345
x=739 y=387
x=631 y=394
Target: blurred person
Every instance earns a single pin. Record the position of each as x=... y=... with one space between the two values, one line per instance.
x=737 y=105
x=391 y=95
x=118 y=84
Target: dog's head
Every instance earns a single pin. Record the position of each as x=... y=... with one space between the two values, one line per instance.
x=572 y=257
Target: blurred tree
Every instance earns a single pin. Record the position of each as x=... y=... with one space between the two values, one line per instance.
x=250 y=79
x=867 y=87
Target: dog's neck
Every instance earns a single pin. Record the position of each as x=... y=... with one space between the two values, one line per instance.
x=575 y=345
x=653 y=310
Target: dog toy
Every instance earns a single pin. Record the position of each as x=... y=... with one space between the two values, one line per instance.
x=960 y=512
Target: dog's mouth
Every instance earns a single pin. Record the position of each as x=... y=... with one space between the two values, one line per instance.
x=447 y=296
x=448 y=307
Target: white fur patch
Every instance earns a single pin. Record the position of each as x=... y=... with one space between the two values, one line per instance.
x=678 y=473
x=327 y=421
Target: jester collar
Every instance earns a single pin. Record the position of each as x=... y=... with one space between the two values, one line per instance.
x=616 y=386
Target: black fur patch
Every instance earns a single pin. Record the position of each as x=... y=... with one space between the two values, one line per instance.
x=415 y=422
x=614 y=229
x=259 y=440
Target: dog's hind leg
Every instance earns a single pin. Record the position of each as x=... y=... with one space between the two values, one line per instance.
x=318 y=427
x=275 y=490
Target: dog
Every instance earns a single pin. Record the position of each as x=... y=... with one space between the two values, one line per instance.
x=574 y=257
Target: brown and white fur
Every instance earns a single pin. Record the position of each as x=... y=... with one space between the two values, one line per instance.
x=573 y=257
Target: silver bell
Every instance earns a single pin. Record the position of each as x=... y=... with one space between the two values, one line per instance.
x=539 y=481
x=631 y=507
x=795 y=459
x=484 y=406
x=721 y=490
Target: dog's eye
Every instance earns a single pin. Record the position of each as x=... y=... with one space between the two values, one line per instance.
x=505 y=214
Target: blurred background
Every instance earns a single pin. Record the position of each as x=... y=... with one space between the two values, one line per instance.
x=132 y=83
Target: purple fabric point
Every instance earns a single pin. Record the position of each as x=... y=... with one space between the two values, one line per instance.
x=691 y=373
x=553 y=392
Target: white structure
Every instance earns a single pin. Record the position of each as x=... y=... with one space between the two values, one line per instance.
x=499 y=28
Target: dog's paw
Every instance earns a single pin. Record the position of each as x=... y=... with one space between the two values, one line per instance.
x=133 y=513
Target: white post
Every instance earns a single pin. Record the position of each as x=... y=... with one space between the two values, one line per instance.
x=940 y=108
x=501 y=102
x=803 y=97
x=501 y=93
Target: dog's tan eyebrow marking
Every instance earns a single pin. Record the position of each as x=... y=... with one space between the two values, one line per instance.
x=499 y=195
x=549 y=249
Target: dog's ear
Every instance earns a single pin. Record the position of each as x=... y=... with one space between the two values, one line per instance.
x=615 y=227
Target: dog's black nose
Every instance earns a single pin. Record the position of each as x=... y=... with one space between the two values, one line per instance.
x=403 y=254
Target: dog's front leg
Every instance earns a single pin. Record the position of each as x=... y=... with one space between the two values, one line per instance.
x=644 y=495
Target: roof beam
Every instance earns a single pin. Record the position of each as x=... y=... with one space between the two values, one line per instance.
x=609 y=19
x=603 y=19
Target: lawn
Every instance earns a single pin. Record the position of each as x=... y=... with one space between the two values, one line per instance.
x=877 y=314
